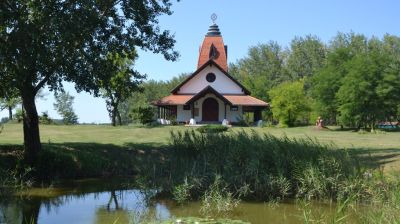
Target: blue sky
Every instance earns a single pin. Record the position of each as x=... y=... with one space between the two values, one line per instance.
x=244 y=24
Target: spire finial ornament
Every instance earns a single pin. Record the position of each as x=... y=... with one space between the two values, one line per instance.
x=214 y=17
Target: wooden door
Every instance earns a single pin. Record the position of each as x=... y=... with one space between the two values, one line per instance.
x=210 y=109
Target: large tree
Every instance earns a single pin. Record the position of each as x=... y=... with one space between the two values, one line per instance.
x=289 y=103
x=369 y=92
x=327 y=81
x=64 y=107
x=122 y=82
x=306 y=56
x=262 y=69
x=9 y=100
x=389 y=87
x=152 y=90
x=43 y=43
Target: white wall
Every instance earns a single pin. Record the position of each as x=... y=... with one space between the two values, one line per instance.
x=185 y=115
x=233 y=116
x=222 y=83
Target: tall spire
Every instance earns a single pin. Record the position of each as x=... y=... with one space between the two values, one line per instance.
x=213 y=47
x=213 y=30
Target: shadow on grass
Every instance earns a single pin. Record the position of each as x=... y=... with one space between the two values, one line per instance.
x=377 y=158
x=344 y=129
x=72 y=160
x=10 y=155
x=352 y=129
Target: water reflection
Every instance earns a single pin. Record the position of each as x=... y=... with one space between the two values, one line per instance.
x=110 y=201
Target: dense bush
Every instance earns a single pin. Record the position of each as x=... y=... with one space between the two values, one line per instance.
x=19 y=115
x=145 y=115
x=45 y=119
x=212 y=128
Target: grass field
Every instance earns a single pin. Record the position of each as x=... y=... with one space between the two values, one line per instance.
x=383 y=147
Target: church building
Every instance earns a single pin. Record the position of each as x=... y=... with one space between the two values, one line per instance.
x=210 y=94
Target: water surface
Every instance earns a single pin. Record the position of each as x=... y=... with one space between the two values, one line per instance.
x=119 y=201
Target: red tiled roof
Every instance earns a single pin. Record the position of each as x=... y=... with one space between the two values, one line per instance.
x=244 y=100
x=173 y=100
x=221 y=57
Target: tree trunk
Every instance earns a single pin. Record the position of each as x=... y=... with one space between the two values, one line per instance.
x=372 y=126
x=119 y=118
x=32 y=143
x=113 y=117
x=116 y=111
x=10 y=116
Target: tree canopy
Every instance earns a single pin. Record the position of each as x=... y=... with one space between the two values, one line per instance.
x=64 y=106
x=352 y=80
x=121 y=83
x=289 y=103
x=43 y=43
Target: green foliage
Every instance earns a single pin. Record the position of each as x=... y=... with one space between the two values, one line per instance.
x=327 y=81
x=307 y=55
x=19 y=115
x=267 y=167
x=53 y=165
x=11 y=180
x=83 y=160
x=262 y=69
x=66 y=41
x=45 y=119
x=290 y=103
x=107 y=27
x=359 y=85
x=121 y=83
x=362 y=94
x=218 y=199
x=353 y=80
x=181 y=193
x=63 y=106
x=151 y=91
x=212 y=128
x=145 y=114
x=9 y=101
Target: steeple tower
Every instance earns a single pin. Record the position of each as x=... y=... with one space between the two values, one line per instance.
x=213 y=47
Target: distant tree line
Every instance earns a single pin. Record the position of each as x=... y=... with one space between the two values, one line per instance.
x=138 y=106
x=352 y=81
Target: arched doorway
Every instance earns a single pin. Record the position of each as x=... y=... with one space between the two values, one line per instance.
x=210 y=109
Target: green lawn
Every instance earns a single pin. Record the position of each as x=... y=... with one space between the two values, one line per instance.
x=384 y=146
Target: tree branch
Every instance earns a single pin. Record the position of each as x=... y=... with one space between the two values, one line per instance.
x=41 y=83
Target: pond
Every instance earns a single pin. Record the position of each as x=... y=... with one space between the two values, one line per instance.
x=119 y=201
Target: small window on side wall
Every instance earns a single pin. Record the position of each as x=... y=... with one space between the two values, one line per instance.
x=234 y=108
x=186 y=107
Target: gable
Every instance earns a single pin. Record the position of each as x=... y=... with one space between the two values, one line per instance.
x=224 y=83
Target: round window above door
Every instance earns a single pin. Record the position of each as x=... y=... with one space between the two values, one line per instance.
x=210 y=77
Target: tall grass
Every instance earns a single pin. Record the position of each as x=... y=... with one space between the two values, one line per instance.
x=269 y=167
